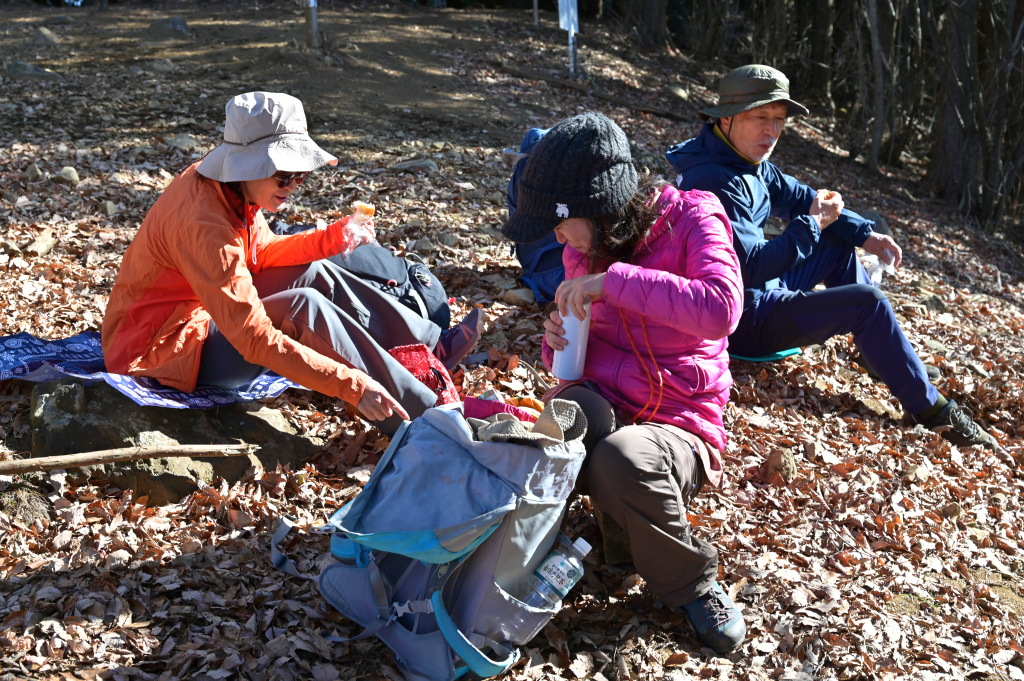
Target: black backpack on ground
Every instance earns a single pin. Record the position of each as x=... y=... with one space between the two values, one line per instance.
x=411 y=283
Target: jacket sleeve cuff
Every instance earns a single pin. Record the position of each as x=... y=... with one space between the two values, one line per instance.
x=547 y=355
x=351 y=383
x=852 y=228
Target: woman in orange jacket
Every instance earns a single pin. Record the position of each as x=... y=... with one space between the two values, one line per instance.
x=208 y=295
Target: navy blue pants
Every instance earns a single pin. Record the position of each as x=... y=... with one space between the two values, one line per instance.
x=796 y=315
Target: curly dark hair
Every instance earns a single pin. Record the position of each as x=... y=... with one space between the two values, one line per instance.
x=617 y=235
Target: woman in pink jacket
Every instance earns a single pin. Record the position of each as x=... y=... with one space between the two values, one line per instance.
x=659 y=269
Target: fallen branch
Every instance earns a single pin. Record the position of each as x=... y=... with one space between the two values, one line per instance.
x=49 y=463
x=590 y=89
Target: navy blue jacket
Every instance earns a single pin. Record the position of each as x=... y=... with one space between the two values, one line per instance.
x=750 y=194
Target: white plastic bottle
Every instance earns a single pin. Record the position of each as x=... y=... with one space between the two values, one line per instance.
x=557 y=575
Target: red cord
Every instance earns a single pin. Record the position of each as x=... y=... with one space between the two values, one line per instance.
x=643 y=363
x=661 y=379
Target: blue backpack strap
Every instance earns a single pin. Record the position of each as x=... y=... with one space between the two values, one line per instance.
x=281 y=561
x=470 y=654
x=384 y=614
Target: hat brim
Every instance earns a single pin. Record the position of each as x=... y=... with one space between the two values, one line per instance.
x=728 y=110
x=237 y=163
x=523 y=228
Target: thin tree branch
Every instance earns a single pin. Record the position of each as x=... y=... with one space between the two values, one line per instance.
x=49 y=463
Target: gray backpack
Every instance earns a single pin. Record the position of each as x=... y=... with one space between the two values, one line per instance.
x=434 y=553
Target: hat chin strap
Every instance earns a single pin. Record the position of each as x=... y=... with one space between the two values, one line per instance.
x=302 y=133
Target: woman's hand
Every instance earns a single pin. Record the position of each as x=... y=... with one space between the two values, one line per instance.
x=554 y=331
x=573 y=294
x=826 y=207
x=376 y=404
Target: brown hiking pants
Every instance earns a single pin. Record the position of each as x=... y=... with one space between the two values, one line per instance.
x=640 y=480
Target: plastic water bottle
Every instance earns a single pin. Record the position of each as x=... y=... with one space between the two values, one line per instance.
x=557 y=574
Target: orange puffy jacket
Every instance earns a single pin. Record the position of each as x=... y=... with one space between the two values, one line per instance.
x=192 y=261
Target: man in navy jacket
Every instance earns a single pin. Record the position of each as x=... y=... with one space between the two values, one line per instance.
x=781 y=308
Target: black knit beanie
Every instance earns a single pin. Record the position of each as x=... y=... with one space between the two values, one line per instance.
x=580 y=169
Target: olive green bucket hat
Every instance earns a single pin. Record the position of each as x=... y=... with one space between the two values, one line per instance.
x=749 y=87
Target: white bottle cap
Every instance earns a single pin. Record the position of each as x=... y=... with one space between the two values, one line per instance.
x=581 y=546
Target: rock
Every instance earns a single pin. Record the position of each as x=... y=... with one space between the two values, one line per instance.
x=977 y=534
x=780 y=468
x=10 y=197
x=108 y=208
x=425 y=165
x=497 y=339
x=519 y=297
x=477 y=194
x=881 y=225
x=679 y=92
x=161 y=66
x=43 y=243
x=952 y=510
x=497 y=198
x=774 y=227
x=67 y=175
x=422 y=246
x=174 y=28
x=935 y=304
x=915 y=475
x=44 y=36
x=67 y=418
x=416 y=222
x=446 y=239
x=185 y=142
x=936 y=346
x=118 y=560
x=527 y=326
x=33 y=173
x=23 y=71
x=120 y=178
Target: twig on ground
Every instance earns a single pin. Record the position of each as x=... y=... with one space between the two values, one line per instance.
x=49 y=463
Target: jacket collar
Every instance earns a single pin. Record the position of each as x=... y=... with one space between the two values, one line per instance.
x=244 y=211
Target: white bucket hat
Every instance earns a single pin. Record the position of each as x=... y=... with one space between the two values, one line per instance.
x=264 y=132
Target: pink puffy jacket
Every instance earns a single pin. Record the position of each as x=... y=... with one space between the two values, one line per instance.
x=657 y=347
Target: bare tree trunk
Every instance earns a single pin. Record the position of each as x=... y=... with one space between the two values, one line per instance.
x=876 y=61
x=821 y=51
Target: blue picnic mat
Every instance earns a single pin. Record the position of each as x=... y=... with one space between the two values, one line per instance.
x=28 y=358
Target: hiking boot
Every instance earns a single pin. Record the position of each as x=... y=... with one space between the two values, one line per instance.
x=933 y=371
x=955 y=423
x=719 y=623
x=458 y=341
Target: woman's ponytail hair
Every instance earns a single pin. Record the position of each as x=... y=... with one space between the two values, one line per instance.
x=617 y=236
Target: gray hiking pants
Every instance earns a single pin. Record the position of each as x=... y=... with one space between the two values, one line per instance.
x=328 y=309
x=640 y=480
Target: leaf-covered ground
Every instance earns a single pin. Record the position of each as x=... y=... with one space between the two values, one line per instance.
x=881 y=552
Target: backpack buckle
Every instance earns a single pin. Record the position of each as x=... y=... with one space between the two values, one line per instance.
x=411 y=608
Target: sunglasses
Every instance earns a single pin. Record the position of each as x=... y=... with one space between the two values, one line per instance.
x=285 y=179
